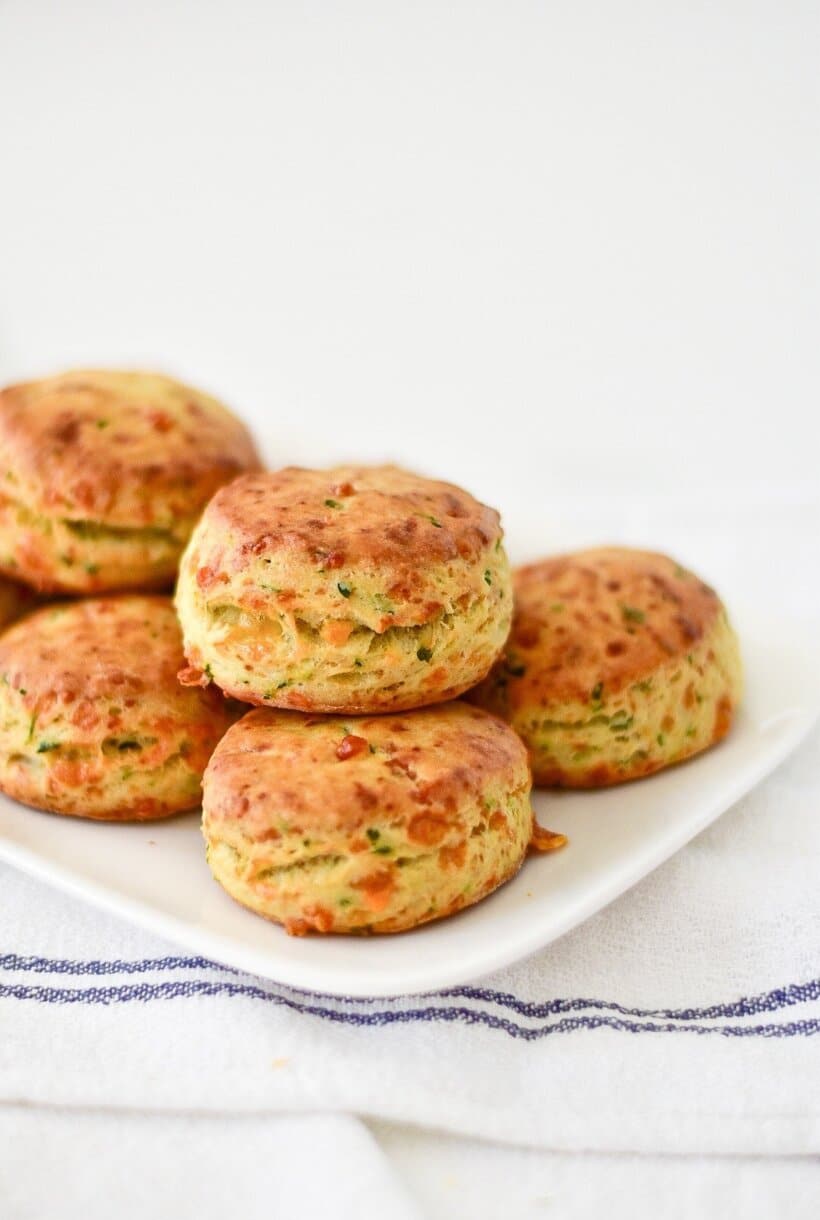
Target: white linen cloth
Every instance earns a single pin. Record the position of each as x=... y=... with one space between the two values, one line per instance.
x=678 y=1020
x=138 y=1165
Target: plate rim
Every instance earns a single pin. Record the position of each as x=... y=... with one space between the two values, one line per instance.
x=425 y=976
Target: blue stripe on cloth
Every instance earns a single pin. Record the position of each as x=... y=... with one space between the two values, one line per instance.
x=770 y=1001
x=145 y=992
x=746 y=1006
x=61 y=965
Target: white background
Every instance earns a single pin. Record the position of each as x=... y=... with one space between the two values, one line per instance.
x=539 y=247
x=565 y=254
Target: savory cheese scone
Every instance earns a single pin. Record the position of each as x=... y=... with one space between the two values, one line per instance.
x=92 y=719
x=103 y=474
x=369 y=824
x=359 y=589
x=619 y=662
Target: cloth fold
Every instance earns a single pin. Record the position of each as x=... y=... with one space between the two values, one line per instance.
x=679 y=1019
x=154 y=1165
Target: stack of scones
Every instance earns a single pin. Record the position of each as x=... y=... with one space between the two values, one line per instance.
x=352 y=608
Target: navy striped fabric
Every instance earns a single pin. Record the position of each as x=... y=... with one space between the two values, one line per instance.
x=518 y=1018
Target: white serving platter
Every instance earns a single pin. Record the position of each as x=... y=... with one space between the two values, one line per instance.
x=156 y=876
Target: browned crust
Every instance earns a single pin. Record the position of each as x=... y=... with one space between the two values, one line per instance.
x=418 y=769
x=378 y=516
x=86 y=446
x=95 y=648
x=609 y=615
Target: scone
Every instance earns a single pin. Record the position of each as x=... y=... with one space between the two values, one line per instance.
x=359 y=589
x=619 y=662
x=92 y=719
x=14 y=600
x=372 y=824
x=103 y=474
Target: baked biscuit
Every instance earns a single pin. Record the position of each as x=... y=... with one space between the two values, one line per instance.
x=619 y=662
x=14 y=600
x=377 y=824
x=103 y=474
x=359 y=589
x=92 y=719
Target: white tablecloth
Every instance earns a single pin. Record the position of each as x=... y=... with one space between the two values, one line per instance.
x=678 y=1021
x=566 y=256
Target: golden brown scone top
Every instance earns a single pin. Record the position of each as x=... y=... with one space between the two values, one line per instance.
x=373 y=515
x=127 y=449
x=609 y=615
x=91 y=648
x=338 y=773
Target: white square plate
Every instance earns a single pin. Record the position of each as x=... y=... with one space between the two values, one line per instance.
x=156 y=875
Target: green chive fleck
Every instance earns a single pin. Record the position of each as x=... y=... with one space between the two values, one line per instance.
x=425 y=654
x=632 y=614
x=344 y=589
x=488 y=577
x=332 y=504
x=597 y=691
x=373 y=834
x=622 y=724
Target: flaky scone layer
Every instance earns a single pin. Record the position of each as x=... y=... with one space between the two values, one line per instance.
x=357 y=589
